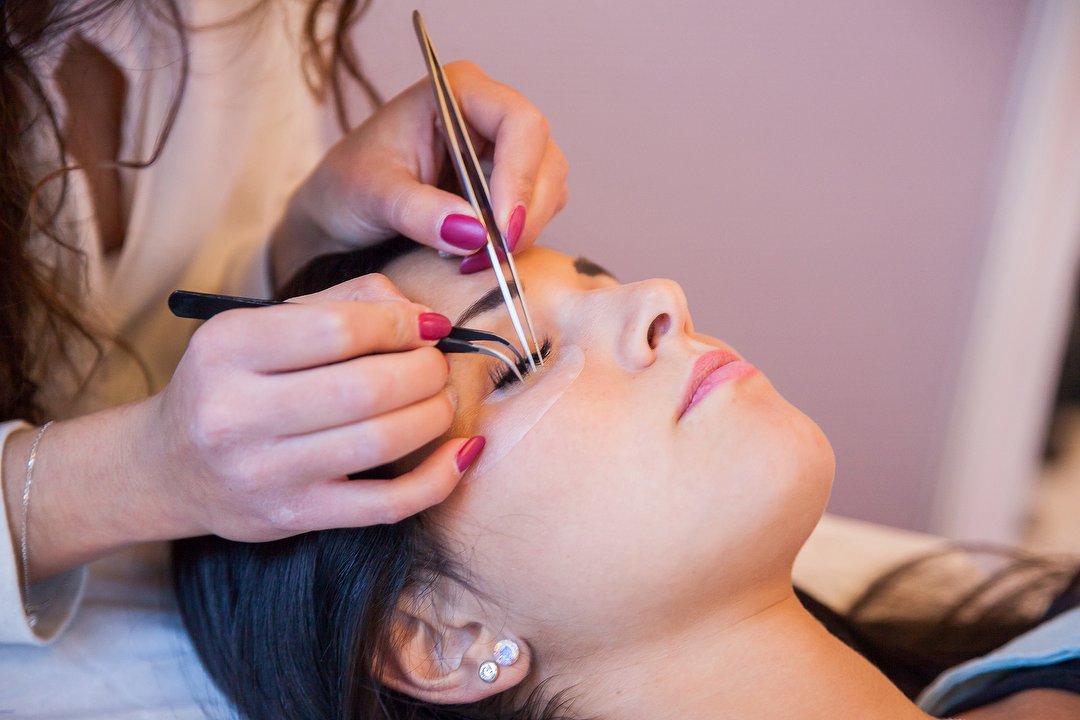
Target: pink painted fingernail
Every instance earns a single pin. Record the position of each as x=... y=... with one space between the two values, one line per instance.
x=468 y=452
x=463 y=231
x=515 y=226
x=433 y=326
x=478 y=261
x=474 y=263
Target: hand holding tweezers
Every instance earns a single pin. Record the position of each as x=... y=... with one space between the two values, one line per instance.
x=203 y=306
x=474 y=186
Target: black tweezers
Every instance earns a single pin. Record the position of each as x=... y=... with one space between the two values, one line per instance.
x=203 y=306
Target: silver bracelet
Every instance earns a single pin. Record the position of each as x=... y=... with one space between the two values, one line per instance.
x=31 y=611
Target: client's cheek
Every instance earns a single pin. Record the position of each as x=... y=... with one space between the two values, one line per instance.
x=507 y=421
x=467 y=388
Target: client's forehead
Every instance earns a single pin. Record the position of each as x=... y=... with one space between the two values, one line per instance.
x=434 y=281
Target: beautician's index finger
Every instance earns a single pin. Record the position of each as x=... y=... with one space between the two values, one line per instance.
x=295 y=336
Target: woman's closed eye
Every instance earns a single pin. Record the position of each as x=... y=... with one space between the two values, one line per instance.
x=505 y=377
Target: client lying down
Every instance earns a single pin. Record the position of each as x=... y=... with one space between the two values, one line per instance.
x=623 y=549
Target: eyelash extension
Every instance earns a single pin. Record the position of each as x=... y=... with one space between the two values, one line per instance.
x=505 y=377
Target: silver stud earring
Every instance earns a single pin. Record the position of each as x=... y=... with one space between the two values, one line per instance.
x=506 y=652
x=489 y=671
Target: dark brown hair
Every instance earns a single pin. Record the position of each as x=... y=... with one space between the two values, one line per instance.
x=41 y=298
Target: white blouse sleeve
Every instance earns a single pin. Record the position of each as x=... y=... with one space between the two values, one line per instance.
x=57 y=598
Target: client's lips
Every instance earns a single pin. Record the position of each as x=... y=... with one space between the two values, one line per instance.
x=710 y=370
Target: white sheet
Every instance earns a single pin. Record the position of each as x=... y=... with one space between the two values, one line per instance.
x=124 y=657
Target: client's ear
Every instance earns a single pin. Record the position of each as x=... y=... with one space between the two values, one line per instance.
x=439 y=646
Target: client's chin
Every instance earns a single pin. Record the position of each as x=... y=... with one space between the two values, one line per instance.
x=811 y=473
x=793 y=459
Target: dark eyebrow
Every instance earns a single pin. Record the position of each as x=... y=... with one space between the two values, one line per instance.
x=585 y=266
x=488 y=301
x=493 y=298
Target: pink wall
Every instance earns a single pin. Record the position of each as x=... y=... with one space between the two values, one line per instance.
x=818 y=176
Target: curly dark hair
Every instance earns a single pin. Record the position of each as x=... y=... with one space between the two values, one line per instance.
x=41 y=301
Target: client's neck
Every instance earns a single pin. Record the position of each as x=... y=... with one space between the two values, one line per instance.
x=778 y=662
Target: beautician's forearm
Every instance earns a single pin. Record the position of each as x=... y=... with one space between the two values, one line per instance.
x=96 y=488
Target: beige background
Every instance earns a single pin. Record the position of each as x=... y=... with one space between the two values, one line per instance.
x=818 y=176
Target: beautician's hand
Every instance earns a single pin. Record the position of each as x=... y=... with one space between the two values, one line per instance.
x=378 y=181
x=271 y=408
x=267 y=413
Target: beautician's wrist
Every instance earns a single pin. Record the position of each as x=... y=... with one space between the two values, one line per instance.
x=160 y=477
x=95 y=490
x=137 y=485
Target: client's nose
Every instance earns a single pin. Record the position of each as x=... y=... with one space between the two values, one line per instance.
x=656 y=311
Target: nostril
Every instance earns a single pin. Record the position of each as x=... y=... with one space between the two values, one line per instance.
x=660 y=325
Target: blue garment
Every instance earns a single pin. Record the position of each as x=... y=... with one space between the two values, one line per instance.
x=1059 y=676
x=1053 y=643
